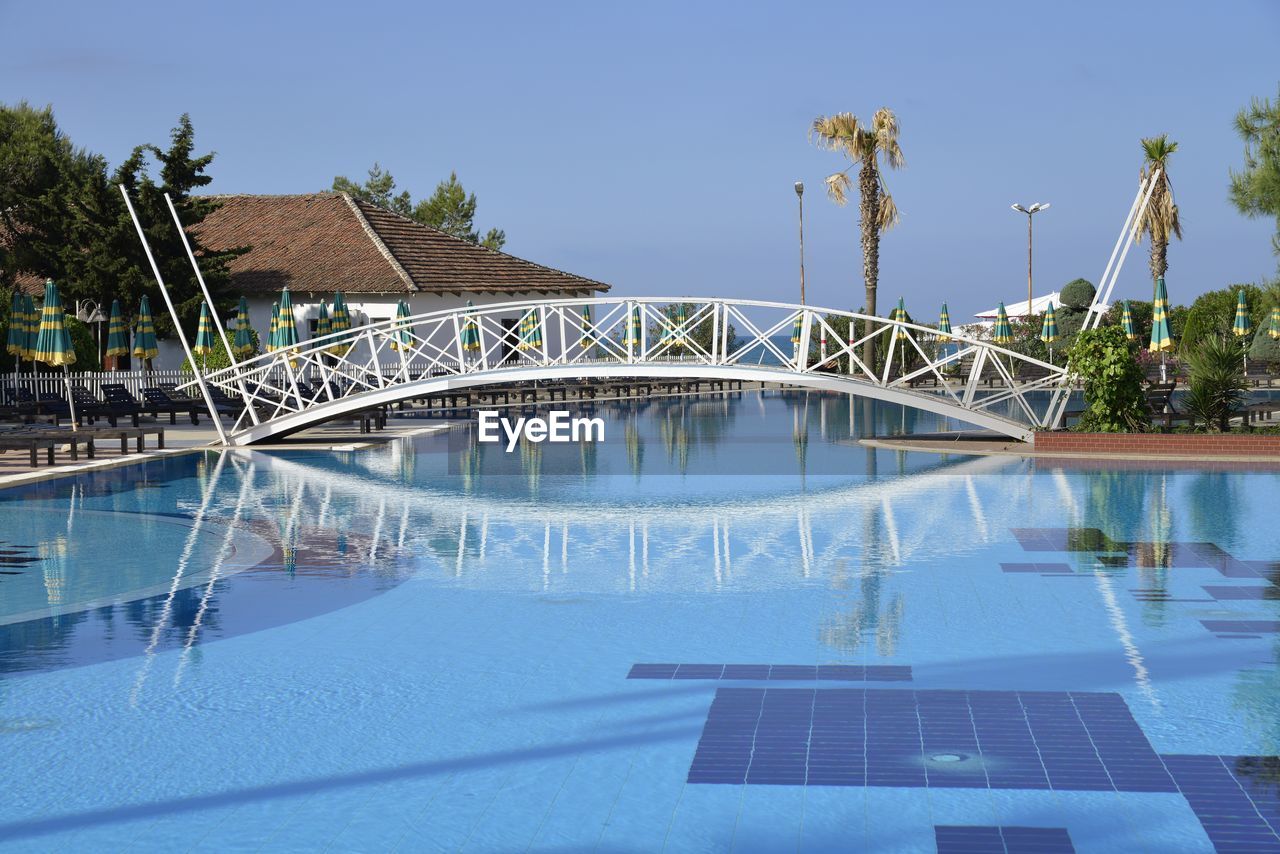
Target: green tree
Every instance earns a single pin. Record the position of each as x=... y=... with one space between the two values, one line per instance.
x=1103 y=360
x=452 y=211
x=180 y=172
x=1160 y=221
x=378 y=189
x=701 y=334
x=449 y=209
x=1255 y=190
x=865 y=145
x=1213 y=313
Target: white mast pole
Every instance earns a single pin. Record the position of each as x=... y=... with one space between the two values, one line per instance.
x=164 y=291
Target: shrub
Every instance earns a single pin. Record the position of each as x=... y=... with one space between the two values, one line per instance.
x=1103 y=360
x=1217 y=382
x=1213 y=313
x=219 y=359
x=1077 y=294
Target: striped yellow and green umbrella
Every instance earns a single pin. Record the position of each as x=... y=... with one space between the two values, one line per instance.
x=944 y=324
x=679 y=338
x=1274 y=329
x=323 y=325
x=16 y=342
x=1126 y=323
x=1161 y=339
x=203 y=345
x=33 y=327
x=588 y=332
x=1242 y=325
x=53 y=342
x=530 y=331
x=634 y=335
x=145 y=346
x=274 y=330
x=402 y=339
x=797 y=329
x=287 y=330
x=470 y=334
x=1049 y=328
x=340 y=321
x=242 y=344
x=117 y=335
x=900 y=315
x=1003 y=333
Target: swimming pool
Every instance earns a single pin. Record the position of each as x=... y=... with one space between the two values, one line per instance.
x=729 y=626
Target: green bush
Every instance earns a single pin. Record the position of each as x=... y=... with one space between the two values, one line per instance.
x=1264 y=348
x=1213 y=313
x=1104 y=361
x=1077 y=294
x=1217 y=387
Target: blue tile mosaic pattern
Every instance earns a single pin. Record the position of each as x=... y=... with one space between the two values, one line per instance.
x=1240 y=811
x=979 y=839
x=950 y=739
x=1263 y=626
x=775 y=672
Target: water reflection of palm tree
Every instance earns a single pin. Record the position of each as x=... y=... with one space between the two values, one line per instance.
x=871 y=615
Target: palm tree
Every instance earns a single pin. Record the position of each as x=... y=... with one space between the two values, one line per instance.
x=864 y=145
x=1161 y=218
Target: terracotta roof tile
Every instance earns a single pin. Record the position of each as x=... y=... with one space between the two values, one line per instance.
x=324 y=241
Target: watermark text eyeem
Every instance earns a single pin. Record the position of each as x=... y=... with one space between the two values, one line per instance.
x=559 y=426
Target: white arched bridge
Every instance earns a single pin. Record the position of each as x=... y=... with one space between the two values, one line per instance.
x=381 y=363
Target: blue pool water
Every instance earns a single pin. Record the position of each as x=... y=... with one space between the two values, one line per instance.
x=728 y=627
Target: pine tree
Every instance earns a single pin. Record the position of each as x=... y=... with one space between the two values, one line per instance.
x=449 y=209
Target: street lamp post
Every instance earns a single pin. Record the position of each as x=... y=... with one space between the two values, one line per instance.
x=1030 y=212
x=800 y=198
x=88 y=311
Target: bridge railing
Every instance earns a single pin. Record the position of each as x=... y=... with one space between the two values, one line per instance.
x=501 y=339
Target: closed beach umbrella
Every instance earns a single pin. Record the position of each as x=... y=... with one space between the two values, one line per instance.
x=1242 y=325
x=117 y=336
x=1126 y=322
x=635 y=330
x=1049 y=328
x=900 y=315
x=680 y=320
x=33 y=327
x=1274 y=329
x=796 y=329
x=588 y=333
x=530 y=331
x=323 y=325
x=242 y=344
x=287 y=331
x=274 y=330
x=203 y=345
x=53 y=341
x=470 y=333
x=1161 y=339
x=145 y=346
x=16 y=342
x=944 y=324
x=1002 y=334
x=403 y=337
x=339 y=321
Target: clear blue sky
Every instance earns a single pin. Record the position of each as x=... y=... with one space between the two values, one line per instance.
x=654 y=146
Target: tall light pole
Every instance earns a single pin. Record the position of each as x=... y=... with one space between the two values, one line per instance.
x=800 y=198
x=1030 y=212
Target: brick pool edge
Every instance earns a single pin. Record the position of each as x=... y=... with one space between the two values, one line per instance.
x=1157 y=444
